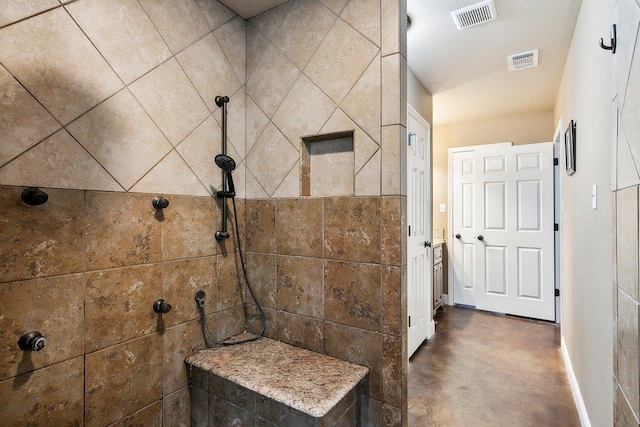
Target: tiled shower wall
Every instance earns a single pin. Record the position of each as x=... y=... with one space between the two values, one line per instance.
x=626 y=179
x=106 y=104
x=331 y=271
x=101 y=98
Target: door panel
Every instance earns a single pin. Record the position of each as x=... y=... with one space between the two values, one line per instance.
x=419 y=267
x=510 y=269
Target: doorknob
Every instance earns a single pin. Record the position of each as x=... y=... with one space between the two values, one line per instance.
x=458 y=236
x=480 y=237
x=427 y=244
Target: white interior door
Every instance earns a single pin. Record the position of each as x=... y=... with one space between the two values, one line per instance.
x=513 y=244
x=419 y=264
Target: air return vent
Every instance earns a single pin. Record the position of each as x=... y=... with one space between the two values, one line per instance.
x=475 y=14
x=523 y=60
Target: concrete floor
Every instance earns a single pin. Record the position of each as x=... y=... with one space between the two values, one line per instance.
x=482 y=369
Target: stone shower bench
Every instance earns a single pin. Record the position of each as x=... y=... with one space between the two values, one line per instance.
x=276 y=382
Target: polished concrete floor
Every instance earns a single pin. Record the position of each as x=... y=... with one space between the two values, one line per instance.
x=482 y=369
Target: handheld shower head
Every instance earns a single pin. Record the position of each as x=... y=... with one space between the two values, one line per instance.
x=225 y=162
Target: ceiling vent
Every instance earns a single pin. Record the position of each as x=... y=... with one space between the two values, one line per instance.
x=523 y=60
x=475 y=14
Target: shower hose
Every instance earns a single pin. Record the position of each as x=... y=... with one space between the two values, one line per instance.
x=200 y=298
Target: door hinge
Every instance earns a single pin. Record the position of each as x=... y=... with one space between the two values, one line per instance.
x=556 y=227
x=409 y=321
x=557 y=292
x=556 y=162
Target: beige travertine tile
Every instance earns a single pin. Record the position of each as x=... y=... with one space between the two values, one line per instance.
x=627 y=172
x=335 y=5
x=290 y=186
x=229 y=322
x=209 y=70
x=58 y=161
x=119 y=305
x=392 y=67
x=352 y=294
x=256 y=46
x=55 y=61
x=301 y=32
x=627 y=240
x=176 y=408
x=181 y=280
x=364 y=147
x=368 y=178
x=392 y=301
x=304 y=110
x=232 y=38
x=46 y=397
x=357 y=346
x=179 y=21
x=54 y=307
x=188 y=226
x=343 y=52
x=121 y=229
x=123 y=33
x=15 y=10
x=178 y=343
x=170 y=99
x=122 y=379
x=627 y=31
x=391 y=14
x=627 y=348
x=230 y=281
x=261 y=226
x=149 y=416
x=631 y=109
x=364 y=16
x=171 y=176
x=391 y=159
x=253 y=188
x=261 y=270
x=362 y=104
x=122 y=137
x=614 y=295
x=305 y=332
x=199 y=151
x=271 y=81
x=24 y=121
x=352 y=229
x=299 y=227
x=215 y=13
x=301 y=286
x=269 y=22
x=45 y=240
x=256 y=123
x=271 y=159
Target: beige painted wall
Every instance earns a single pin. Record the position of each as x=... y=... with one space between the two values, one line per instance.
x=419 y=97
x=519 y=129
x=585 y=96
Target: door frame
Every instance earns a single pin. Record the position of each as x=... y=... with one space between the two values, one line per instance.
x=557 y=212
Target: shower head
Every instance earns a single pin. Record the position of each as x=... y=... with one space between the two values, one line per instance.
x=225 y=162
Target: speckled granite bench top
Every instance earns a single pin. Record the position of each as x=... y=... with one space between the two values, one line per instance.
x=310 y=382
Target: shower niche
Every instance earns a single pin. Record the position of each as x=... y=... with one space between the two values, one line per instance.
x=327 y=165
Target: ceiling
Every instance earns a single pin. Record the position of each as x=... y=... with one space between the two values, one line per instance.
x=466 y=70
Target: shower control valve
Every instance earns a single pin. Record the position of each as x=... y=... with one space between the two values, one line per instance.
x=32 y=341
x=161 y=306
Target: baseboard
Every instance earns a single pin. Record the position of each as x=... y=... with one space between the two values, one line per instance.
x=575 y=388
x=445 y=299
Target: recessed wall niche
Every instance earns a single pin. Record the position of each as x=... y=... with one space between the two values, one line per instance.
x=327 y=165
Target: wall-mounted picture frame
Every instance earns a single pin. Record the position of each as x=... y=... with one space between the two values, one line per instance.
x=570 y=148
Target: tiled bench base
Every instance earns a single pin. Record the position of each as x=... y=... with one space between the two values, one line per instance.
x=267 y=383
